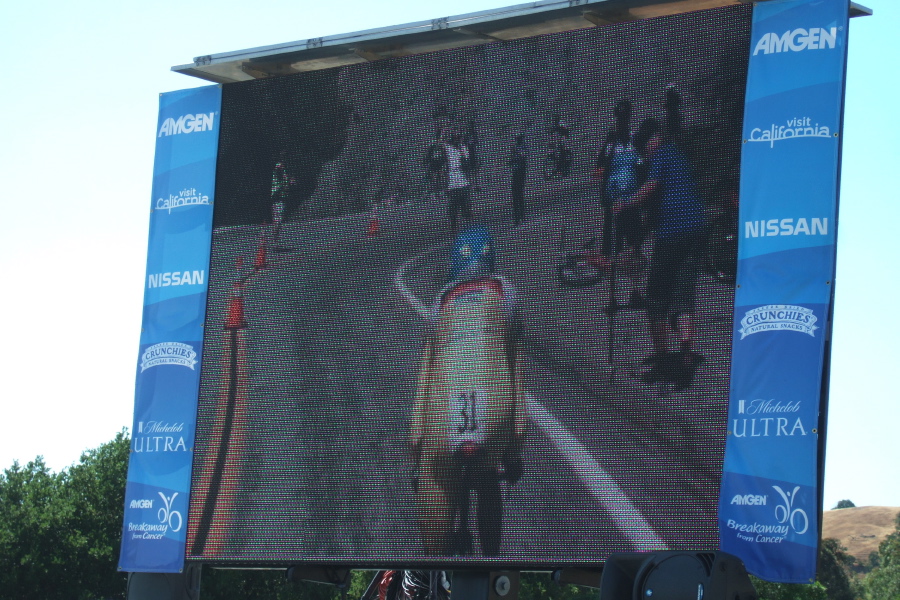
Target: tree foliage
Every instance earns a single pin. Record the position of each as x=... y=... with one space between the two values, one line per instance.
x=59 y=533
x=836 y=569
x=844 y=504
x=768 y=590
x=539 y=586
x=883 y=582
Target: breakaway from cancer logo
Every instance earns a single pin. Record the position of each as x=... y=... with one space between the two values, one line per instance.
x=169 y=353
x=170 y=520
x=788 y=517
x=779 y=317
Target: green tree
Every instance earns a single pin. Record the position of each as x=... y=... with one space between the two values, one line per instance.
x=835 y=571
x=31 y=518
x=844 y=504
x=768 y=590
x=59 y=533
x=883 y=582
x=539 y=586
x=94 y=490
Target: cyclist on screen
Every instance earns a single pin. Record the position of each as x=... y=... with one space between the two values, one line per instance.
x=468 y=420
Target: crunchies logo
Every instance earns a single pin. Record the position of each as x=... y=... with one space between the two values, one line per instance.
x=155 y=280
x=793 y=129
x=779 y=317
x=168 y=353
x=186 y=197
x=797 y=40
x=782 y=227
x=186 y=124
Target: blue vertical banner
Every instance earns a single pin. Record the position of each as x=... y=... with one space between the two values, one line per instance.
x=769 y=506
x=168 y=365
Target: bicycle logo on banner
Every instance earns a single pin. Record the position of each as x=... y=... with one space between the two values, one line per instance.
x=168 y=516
x=786 y=513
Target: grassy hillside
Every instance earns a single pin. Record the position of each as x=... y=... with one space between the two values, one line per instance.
x=860 y=529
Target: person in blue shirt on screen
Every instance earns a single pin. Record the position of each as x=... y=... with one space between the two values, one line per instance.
x=671 y=195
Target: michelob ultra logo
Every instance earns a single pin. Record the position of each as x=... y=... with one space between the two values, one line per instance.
x=169 y=353
x=798 y=40
x=779 y=317
x=186 y=124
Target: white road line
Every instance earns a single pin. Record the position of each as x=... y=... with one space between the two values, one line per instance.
x=407 y=293
x=628 y=519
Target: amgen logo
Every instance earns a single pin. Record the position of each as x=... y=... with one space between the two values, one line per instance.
x=797 y=40
x=749 y=500
x=186 y=124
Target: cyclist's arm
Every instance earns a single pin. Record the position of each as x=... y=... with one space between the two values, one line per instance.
x=420 y=406
x=640 y=197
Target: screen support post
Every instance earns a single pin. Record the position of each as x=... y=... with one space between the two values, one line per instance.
x=484 y=585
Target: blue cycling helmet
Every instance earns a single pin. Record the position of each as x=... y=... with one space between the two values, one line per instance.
x=472 y=255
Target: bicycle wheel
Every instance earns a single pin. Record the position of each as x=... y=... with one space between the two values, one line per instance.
x=490 y=513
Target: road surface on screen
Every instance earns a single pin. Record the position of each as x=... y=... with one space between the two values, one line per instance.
x=611 y=463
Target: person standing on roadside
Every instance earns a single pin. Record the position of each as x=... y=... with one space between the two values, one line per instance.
x=518 y=163
x=458 y=185
x=620 y=169
x=281 y=186
x=672 y=280
x=435 y=162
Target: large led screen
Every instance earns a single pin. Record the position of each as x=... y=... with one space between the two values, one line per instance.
x=475 y=306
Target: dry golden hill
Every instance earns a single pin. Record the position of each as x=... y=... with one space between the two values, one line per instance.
x=860 y=529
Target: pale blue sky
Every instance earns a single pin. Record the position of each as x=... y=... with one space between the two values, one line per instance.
x=79 y=107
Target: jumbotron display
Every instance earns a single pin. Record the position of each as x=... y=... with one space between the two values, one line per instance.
x=474 y=307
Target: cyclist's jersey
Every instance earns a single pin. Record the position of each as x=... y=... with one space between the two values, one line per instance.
x=468 y=390
x=456 y=178
x=281 y=181
x=622 y=173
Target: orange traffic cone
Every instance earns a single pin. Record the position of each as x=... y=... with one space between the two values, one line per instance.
x=373 y=228
x=235 y=317
x=260 y=261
